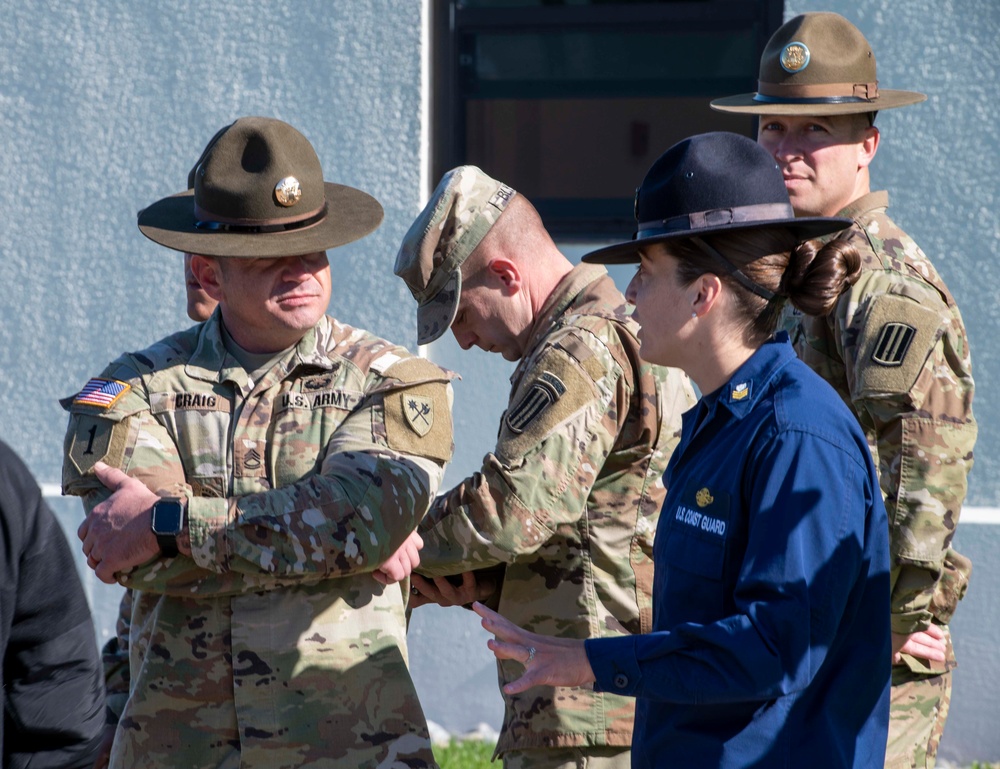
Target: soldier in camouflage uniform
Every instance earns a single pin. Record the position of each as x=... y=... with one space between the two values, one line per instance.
x=273 y=459
x=114 y=654
x=568 y=500
x=895 y=347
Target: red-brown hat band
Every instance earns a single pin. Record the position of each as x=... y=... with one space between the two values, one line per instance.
x=825 y=92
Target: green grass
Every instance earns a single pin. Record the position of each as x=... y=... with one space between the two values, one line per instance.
x=465 y=754
x=476 y=754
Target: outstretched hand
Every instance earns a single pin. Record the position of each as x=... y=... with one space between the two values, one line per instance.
x=444 y=592
x=547 y=661
x=117 y=534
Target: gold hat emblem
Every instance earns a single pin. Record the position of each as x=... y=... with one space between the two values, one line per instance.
x=704 y=497
x=288 y=191
x=794 y=57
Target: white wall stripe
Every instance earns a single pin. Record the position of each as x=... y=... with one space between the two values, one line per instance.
x=988 y=515
x=974 y=515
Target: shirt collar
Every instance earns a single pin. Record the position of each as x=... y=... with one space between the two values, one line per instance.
x=563 y=296
x=864 y=204
x=751 y=381
x=567 y=293
x=211 y=361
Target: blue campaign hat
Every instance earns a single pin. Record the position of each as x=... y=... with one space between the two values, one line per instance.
x=712 y=183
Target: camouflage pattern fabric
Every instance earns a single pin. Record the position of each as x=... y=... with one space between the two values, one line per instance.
x=918 y=710
x=273 y=646
x=569 y=758
x=568 y=502
x=896 y=350
x=114 y=659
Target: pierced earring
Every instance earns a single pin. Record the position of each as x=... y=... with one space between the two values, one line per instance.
x=694 y=315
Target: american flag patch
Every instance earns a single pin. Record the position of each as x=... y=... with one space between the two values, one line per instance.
x=101 y=392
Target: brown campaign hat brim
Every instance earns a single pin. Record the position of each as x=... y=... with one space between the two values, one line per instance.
x=749 y=103
x=351 y=214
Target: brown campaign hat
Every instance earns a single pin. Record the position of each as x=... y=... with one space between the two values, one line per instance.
x=817 y=64
x=258 y=192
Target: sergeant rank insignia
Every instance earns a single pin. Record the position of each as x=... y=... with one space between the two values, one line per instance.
x=101 y=392
x=252 y=460
x=704 y=497
x=419 y=413
x=545 y=391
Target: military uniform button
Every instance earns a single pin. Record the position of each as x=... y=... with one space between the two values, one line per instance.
x=621 y=680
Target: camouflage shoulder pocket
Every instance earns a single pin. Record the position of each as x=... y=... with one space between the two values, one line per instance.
x=554 y=390
x=418 y=410
x=91 y=439
x=100 y=429
x=895 y=344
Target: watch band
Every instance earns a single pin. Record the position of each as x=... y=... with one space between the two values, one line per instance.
x=168 y=520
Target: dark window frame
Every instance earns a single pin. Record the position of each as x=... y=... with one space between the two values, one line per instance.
x=451 y=22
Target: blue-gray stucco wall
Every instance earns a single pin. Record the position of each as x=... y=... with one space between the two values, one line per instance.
x=105 y=104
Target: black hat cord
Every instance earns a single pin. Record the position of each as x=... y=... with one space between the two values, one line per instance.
x=731 y=269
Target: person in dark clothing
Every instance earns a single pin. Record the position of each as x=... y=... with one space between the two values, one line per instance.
x=53 y=687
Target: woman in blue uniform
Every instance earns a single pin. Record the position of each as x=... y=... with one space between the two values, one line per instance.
x=770 y=645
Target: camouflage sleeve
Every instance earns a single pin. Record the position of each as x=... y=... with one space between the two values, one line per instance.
x=114 y=658
x=124 y=434
x=121 y=433
x=562 y=423
x=911 y=382
x=381 y=470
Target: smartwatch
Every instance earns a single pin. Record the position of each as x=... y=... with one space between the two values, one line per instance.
x=169 y=518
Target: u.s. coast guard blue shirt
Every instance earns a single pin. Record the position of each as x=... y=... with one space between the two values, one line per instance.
x=771 y=643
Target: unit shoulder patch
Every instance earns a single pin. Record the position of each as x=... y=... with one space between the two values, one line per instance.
x=894 y=344
x=552 y=391
x=418 y=420
x=92 y=439
x=546 y=390
x=419 y=412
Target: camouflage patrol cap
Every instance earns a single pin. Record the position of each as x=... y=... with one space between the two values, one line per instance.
x=817 y=64
x=455 y=220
